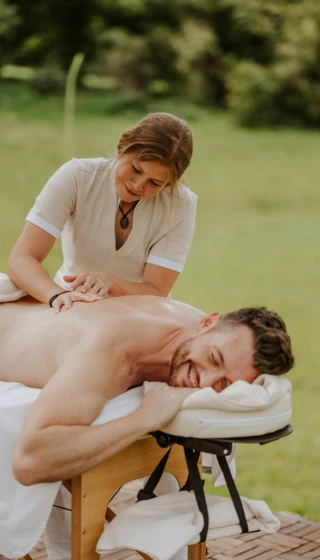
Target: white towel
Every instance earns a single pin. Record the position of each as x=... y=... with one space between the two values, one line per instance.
x=263 y=392
x=240 y=396
x=8 y=290
x=24 y=511
x=161 y=526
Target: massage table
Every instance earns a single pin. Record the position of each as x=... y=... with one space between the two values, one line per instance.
x=212 y=425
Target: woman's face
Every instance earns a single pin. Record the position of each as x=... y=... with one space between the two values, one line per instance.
x=139 y=179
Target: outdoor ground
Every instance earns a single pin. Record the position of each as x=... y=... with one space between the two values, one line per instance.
x=256 y=242
x=297 y=539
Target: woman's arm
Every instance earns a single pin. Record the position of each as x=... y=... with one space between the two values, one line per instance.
x=156 y=281
x=44 y=224
x=24 y=265
x=26 y=271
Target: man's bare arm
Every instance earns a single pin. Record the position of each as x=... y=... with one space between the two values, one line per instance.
x=57 y=441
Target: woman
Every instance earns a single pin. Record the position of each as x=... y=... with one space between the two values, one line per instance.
x=126 y=223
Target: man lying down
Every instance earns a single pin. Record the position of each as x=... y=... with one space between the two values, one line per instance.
x=95 y=352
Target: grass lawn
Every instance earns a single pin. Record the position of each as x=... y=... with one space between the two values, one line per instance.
x=256 y=242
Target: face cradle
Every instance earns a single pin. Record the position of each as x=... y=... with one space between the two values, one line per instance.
x=138 y=179
x=216 y=358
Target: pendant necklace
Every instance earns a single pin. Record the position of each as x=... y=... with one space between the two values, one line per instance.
x=124 y=222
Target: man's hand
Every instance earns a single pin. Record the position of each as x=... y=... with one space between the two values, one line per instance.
x=98 y=283
x=161 y=404
x=65 y=301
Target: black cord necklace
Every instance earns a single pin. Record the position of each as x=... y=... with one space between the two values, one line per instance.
x=124 y=222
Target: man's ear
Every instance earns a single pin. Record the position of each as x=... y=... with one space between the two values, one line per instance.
x=210 y=320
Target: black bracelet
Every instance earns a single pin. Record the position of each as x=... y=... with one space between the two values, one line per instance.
x=51 y=300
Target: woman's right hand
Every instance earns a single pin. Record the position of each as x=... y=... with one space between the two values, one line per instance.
x=65 y=301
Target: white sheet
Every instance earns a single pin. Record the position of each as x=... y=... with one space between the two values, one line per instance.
x=24 y=511
x=161 y=526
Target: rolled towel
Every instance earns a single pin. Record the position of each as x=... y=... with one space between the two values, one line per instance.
x=162 y=526
x=239 y=396
x=8 y=290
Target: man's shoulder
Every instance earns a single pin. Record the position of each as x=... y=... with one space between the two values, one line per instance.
x=112 y=317
x=185 y=308
x=157 y=306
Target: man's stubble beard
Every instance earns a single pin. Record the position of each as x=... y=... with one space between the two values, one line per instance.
x=179 y=359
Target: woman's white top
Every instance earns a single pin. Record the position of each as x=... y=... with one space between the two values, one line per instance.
x=80 y=202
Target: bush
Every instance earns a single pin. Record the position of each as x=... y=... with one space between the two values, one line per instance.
x=49 y=78
x=258 y=58
x=286 y=90
x=252 y=91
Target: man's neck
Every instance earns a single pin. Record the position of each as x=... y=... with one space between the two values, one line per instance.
x=156 y=365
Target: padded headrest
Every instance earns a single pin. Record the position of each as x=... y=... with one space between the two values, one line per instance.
x=242 y=409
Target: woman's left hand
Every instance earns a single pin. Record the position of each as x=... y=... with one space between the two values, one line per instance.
x=99 y=283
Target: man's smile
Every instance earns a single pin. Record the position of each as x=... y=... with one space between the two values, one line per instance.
x=192 y=376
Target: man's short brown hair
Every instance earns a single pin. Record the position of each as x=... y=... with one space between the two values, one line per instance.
x=272 y=344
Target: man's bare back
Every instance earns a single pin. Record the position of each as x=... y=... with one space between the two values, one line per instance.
x=35 y=341
x=94 y=352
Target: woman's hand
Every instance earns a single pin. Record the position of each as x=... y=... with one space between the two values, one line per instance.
x=98 y=283
x=161 y=404
x=65 y=301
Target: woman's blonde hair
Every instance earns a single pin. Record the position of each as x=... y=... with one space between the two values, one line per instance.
x=162 y=137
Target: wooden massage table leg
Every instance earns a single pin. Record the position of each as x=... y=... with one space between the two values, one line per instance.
x=92 y=491
x=197 y=551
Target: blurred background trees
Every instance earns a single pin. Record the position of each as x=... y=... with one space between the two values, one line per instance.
x=257 y=58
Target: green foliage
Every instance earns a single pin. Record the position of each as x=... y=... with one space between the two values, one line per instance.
x=258 y=58
x=9 y=19
x=9 y=23
x=252 y=90
x=49 y=78
x=287 y=88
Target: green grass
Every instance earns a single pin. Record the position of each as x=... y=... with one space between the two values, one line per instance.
x=256 y=242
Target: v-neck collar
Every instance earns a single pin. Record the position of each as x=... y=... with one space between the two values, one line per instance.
x=114 y=202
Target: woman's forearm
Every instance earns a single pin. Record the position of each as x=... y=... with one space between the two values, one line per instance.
x=156 y=281
x=125 y=288
x=30 y=276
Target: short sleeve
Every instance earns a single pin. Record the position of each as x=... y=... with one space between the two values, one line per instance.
x=172 y=249
x=57 y=200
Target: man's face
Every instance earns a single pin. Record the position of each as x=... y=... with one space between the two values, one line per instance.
x=215 y=358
